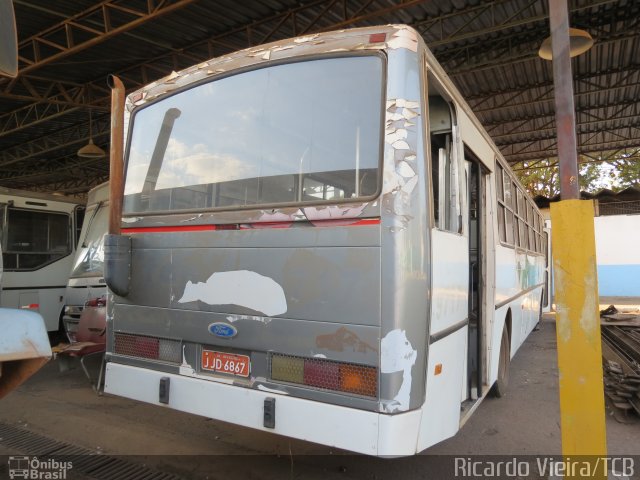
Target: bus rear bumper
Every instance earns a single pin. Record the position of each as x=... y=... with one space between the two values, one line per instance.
x=359 y=431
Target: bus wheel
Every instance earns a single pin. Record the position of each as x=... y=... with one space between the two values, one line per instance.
x=500 y=387
x=58 y=336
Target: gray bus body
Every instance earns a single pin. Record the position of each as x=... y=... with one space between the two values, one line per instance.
x=293 y=207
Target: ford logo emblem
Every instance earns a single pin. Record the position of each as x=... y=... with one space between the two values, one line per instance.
x=223 y=330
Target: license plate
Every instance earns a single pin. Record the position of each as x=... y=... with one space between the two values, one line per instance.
x=229 y=363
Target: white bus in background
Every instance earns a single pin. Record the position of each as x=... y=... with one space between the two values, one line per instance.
x=38 y=237
x=24 y=345
x=86 y=280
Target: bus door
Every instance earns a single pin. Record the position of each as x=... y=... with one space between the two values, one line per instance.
x=450 y=259
x=476 y=195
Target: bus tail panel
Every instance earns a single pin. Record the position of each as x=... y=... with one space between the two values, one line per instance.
x=332 y=425
x=303 y=321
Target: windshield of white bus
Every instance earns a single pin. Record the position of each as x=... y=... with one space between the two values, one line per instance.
x=295 y=133
x=33 y=239
x=90 y=256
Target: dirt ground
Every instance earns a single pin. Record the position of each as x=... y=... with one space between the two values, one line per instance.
x=525 y=422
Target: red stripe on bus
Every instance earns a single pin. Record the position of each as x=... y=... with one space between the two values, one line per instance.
x=248 y=226
x=368 y=221
x=180 y=228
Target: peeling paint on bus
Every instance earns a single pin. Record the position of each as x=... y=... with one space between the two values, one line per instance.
x=185 y=368
x=404 y=38
x=253 y=318
x=240 y=287
x=401 y=180
x=397 y=355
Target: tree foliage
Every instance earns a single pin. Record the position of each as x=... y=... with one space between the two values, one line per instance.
x=539 y=181
x=616 y=174
x=627 y=172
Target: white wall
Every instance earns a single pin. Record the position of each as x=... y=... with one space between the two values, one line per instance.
x=618 y=255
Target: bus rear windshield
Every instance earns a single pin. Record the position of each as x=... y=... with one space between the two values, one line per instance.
x=303 y=132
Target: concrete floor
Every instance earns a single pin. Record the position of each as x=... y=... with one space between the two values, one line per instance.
x=525 y=422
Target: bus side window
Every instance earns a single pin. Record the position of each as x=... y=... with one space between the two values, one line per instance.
x=79 y=219
x=444 y=166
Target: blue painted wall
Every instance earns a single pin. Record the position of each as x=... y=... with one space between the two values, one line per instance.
x=619 y=280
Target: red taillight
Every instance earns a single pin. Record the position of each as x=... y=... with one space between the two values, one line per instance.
x=325 y=374
x=148 y=347
x=152 y=348
x=137 y=346
x=378 y=38
x=321 y=374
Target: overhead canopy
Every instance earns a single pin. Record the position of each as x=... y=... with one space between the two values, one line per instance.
x=489 y=48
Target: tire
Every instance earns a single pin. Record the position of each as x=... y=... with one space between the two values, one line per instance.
x=58 y=336
x=499 y=389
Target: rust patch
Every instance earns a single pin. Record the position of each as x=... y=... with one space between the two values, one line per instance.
x=341 y=339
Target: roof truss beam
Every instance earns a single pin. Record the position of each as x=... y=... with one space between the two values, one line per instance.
x=88 y=28
x=629 y=109
x=544 y=151
x=70 y=185
x=605 y=157
x=95 y=94
x=494 y=99
x=509 y=50
x=50 y=143
x=487 y=18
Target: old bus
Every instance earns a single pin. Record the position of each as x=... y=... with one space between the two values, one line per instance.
x=318 y=239
x=86 y=280
x=38 y=234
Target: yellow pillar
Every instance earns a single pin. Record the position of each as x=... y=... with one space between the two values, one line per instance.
x=578 y=329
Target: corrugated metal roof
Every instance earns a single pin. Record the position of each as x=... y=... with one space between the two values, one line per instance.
x=489 y=48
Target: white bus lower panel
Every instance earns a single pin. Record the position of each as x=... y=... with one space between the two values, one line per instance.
x=359 y=431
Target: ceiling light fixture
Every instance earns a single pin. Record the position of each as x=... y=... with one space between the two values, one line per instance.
x=91 y=150
x=579 y=42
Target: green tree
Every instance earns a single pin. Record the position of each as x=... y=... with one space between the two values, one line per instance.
x=593 y=177
x=543 y=180
x=616 y=174
x=627 y=172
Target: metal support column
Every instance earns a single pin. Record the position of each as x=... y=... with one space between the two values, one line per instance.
x=574 y=263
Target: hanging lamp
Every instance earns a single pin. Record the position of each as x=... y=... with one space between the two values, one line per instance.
x=579 y=42
x=91 y=150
